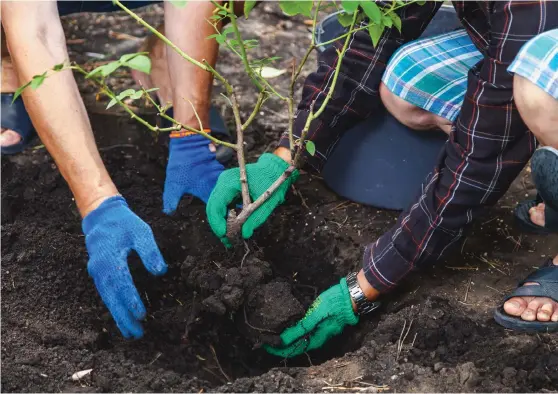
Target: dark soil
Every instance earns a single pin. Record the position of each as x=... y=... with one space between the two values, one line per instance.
x=208 y=316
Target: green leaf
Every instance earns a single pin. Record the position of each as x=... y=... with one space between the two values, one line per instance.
x=371 y=10
x=375 y=33
x=310 y=148
x=128 y=56
x=350 y=6
x=386 y=20
x=136 y=95
x=141 y=63
x=396 y=21
x=248 y=6
x=38 y=80
x=19 y=90
x=270 y=72
x=111 y=103
x=58 y=67
x=126 y=93
x=110 y=68
x=227 y=30
x=345 y=19
x=296 y=7
x=422 y=2
x=179 y=3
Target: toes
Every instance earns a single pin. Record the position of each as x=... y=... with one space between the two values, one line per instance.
x=537 y=216
x=515 y=306
x=9 y=137
x=545 y=310
x=530 y=313
x=555 y=315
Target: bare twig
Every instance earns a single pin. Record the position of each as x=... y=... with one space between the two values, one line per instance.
x=246 y=200
x=218 y=364
x=233 y=226
x=257 y=328
x=467 y=291
x=245 y=254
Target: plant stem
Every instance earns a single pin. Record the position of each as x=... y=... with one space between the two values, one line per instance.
x=257 y=107
x=181 y=126
x=240 y=152
x=296 y=74
x=337 y=69
x=243 y=54
x=234 y=226
x=161 y=36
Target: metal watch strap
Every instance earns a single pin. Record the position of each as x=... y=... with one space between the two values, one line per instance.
x=363 y=305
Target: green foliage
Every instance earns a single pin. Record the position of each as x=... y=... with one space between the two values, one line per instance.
x=345 y=19
x=131 y=93
x=396 y=20
x=350 y=6
x=375 y=33
x=137 y=61
x=387 y=21
x=295 y=7
x=141 y=63
x=179 y=3
x=371 y=10
x=310 y=148
x=248 y=6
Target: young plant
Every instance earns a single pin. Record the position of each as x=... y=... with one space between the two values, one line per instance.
x=353 y=15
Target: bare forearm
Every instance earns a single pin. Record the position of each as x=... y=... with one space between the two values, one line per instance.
x=57 y=110
x=188 y=28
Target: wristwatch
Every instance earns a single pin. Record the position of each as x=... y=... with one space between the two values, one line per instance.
x=363 y=305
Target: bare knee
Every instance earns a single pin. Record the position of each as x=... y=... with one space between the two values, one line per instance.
x=410 y=115
x=538 y=110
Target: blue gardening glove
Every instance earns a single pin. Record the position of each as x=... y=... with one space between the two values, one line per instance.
x=192 y=169
x=111 y=232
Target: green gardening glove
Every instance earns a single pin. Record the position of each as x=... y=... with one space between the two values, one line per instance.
x=327 y=317
x=260 y=175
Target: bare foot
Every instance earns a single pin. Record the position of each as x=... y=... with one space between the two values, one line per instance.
x=533 y=308
x=537 y=214
x=9 y=137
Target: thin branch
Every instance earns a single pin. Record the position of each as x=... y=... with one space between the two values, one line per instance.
x=181 y=126
x=337 y=70
x=162 y=37
x=243 y=54
x=233 y=226
x=240 y=152
x=257 y=107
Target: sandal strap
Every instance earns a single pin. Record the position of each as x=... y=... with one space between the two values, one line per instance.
x=546 y=278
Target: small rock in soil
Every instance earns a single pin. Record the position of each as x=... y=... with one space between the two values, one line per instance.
x=468 y=375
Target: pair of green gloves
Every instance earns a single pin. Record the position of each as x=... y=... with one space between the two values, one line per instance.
x=333 y=309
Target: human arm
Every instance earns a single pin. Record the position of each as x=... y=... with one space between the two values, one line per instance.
x=488 y=146
x=62 y=124
x=354 y=98
x=111 y=229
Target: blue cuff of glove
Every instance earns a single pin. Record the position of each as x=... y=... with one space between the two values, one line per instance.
x=195 y=141
x=92 y=217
